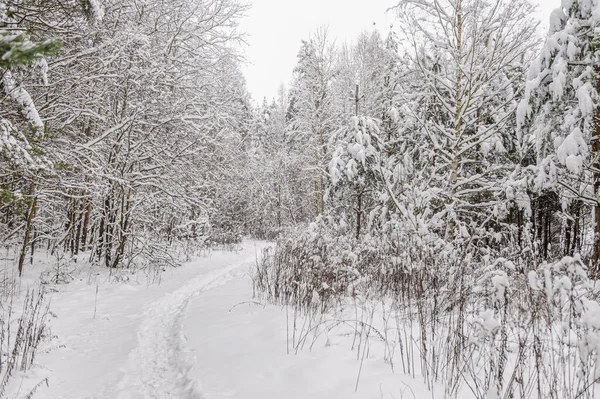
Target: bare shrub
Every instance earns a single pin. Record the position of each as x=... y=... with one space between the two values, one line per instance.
x=463 y=319
x=20 y=336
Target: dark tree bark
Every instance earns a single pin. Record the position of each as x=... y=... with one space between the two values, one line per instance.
x=30 y=216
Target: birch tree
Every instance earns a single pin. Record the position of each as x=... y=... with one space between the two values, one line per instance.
x=469 y=55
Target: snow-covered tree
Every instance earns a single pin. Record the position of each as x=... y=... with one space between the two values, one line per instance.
x=312 y=107
x=558 y=116
x=468 y=56
x=135 y=115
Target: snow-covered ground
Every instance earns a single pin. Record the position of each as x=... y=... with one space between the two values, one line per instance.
x=197 y=334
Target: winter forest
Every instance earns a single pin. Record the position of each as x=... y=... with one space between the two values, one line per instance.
x=415 y=215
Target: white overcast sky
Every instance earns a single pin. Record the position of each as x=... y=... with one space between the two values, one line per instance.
x=276 y=27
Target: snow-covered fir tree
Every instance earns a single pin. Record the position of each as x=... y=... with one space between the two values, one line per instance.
x=558 y=119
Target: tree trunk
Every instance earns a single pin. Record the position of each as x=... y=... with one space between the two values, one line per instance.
x=358 y=212
x=547 y=229
x=124 y=225
x=520 y=227
x=358 y=190
x=86 y=226
x=79 y=220
x=577 y=228
x=568 y=238
x=30 y=217
x=596 y=153
x=278 y=189
x=108 y=230
x=458 y=115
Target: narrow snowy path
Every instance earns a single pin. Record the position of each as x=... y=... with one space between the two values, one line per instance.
x=125 y=341
x=198 y=335
x=158 y=367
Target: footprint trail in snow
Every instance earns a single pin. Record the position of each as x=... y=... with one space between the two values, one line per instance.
x=159 y=366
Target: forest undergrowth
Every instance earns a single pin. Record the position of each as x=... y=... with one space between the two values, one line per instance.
x=23 y=328
x=480 y=327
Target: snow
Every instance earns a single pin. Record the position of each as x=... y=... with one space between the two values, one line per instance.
x=574 y=164
x=97 y=10
x=558 y=84
x=569 y=151
x=485 y=324
x=242 y=353
x=501 y=283
x=158 y=365
x=42 y=65
x=198 y=334
x=557 y=20
x=134 y=344
x=22 y=97
x=572 y=50
x=586 y=105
